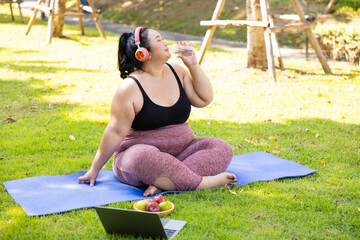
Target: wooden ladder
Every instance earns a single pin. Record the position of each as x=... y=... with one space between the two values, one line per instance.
x=69 y=12
x=270 y=30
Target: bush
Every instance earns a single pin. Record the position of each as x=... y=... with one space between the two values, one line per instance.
x=339 y=41
x=354 y=4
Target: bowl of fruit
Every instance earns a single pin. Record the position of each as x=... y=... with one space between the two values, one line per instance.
x=158 y=205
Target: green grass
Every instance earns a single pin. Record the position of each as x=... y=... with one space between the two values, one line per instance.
x=184 y=16
x=54 y=91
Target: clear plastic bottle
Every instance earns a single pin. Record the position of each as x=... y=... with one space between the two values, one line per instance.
x=183 y=50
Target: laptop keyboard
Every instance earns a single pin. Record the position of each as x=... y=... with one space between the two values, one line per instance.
x=169 y=232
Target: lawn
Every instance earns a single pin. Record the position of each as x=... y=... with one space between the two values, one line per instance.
x=184 y=16
x=55 y=100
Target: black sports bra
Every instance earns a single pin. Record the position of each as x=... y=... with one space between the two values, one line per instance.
x=152 y=116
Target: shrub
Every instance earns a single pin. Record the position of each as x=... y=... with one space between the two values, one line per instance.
x=339 y=41
x=354 y=4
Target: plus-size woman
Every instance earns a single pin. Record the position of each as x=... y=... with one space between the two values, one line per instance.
x=148 y=134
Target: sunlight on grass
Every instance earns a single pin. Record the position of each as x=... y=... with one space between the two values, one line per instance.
x=59 y=99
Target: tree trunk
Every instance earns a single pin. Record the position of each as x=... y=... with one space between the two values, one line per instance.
x=255 y=37
x=329 y=6
x=60 y=7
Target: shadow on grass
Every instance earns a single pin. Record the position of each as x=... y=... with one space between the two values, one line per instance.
x=76 y=37
x=25 y=51
x=21 y=100
x=8 y=86
x=33 y=66
x=6 y=18
x=354 y=72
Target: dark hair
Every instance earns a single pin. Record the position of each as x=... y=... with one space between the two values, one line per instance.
x=126 y=55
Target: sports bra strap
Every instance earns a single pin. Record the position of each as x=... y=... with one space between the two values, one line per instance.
x=176 y=76
x=138 y=83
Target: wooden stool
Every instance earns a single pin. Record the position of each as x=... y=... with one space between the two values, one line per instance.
x=69 y=12
x=11 y=10
x=270 y=30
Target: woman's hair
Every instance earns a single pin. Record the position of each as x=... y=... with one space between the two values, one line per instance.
x=126 y=55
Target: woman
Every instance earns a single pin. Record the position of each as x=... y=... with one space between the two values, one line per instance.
x=152 y=143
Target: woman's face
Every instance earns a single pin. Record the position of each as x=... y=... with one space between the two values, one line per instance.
x=159 y=47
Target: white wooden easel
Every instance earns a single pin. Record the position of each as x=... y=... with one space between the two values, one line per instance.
x=70 y=12
x=270 y=30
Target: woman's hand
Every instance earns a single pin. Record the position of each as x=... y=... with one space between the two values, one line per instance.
x=89 y=177
x=189 y=59
x=197 y=85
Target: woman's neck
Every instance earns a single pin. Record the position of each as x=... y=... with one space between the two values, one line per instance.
x=155 y=70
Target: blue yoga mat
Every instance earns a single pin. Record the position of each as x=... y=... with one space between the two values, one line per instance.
x=53 y=194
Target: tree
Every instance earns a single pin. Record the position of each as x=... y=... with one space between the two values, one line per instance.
x=255 y=37
x=329 y=6
x=60 y=7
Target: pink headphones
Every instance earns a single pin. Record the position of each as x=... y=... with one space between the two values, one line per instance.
x=141 y=54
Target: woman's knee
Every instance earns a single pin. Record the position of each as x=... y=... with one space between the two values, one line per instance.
x=215 y=156
x=140 y=152
x=227 y=149
x=219 y=145
x=127 y=163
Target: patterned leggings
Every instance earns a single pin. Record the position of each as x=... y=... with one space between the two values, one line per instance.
x=170 y=152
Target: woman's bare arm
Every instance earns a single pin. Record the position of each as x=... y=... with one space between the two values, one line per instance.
x=196 y=84
x=122 y=116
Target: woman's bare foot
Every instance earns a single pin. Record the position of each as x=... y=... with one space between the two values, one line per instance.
x=218 y=180
x=160 y=184
x=151 y=190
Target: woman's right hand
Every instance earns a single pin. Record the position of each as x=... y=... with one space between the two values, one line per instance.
x=89 y=177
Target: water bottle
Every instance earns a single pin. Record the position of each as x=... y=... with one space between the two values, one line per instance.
x=181 y=50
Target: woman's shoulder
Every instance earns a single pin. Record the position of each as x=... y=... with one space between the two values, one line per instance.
x=176 y=67
x=180 y=70
x=127 y=88
x=127 y=83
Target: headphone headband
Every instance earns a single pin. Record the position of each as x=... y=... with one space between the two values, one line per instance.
x=141 y=54
x=137 y=36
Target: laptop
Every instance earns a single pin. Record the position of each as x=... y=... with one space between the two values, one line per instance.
x=132 y=222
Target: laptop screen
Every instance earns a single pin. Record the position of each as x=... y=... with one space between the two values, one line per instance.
x=125 y=221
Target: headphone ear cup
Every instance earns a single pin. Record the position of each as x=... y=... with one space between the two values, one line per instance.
x=142 y=54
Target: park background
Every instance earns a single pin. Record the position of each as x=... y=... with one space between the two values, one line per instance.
x=55 y=103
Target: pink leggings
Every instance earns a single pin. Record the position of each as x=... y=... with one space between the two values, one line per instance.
x=170 y=152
